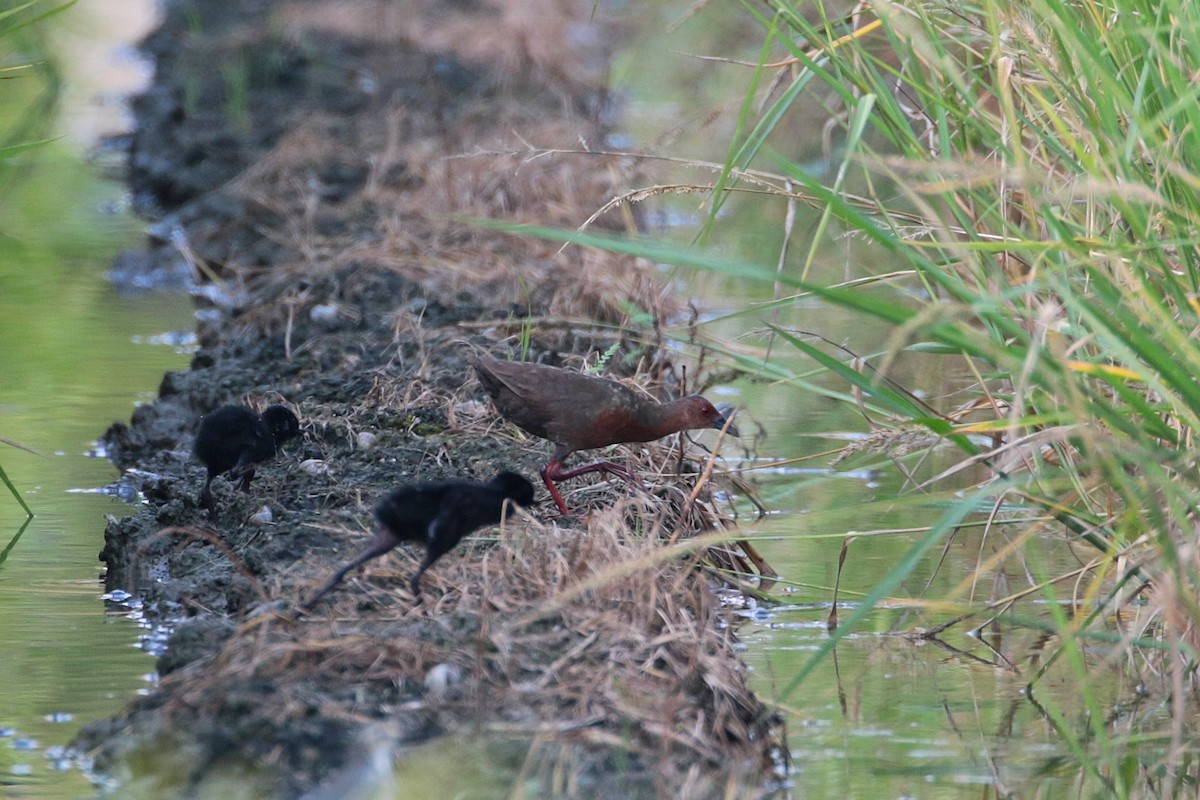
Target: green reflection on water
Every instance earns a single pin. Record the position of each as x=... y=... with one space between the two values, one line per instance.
x=69 y=366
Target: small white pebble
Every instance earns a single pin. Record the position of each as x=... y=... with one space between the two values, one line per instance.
x=324 y=313
x=366 y=440
x=314 y=466
x=263 y=516
x=440 y=678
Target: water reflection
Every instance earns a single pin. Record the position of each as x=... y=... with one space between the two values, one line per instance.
x=922 y=719
x=76 y=355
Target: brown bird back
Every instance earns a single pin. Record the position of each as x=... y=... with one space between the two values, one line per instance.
x=582 y=412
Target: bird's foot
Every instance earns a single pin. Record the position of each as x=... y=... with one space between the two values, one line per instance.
x=624 y=473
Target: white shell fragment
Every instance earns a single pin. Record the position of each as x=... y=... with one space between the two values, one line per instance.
x=324 y=313
x=263 y=516
x=314 y=466
x=440 y=678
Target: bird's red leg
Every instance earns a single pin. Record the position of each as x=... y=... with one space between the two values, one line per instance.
x=557 y=473
x=554 y=472
x=548 y=477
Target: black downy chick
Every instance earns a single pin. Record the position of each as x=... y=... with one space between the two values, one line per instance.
x=233 y=439
x=436 y=515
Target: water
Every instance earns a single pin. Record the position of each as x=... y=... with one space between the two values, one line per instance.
x=75 y=356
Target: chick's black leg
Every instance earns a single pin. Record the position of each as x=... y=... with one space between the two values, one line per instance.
x=445 y=532
x=415 y=583
x=206 y=497
x=383 y=541
x=244 y=470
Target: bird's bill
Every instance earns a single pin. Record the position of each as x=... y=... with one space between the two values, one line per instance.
x=722 y=421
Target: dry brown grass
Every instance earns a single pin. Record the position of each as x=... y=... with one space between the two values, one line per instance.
x=548 y=39
x=591 y=639
x=513 y=152
x=419 y=235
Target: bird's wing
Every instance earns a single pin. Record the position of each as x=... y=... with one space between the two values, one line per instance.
x=598 y=407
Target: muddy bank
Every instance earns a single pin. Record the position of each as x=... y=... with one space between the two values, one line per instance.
x=313 y=162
